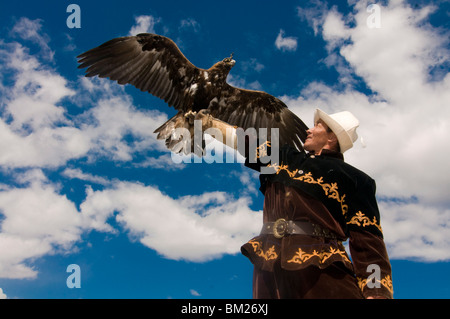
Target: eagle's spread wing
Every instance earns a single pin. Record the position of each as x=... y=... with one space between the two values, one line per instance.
x=150 y=62
x=154 y=63
x=247 y=108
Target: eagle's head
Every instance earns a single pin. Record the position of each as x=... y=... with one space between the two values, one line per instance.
x=220 y=70
x=229 y=61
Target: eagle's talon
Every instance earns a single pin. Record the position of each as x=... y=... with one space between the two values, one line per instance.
x=190 y=116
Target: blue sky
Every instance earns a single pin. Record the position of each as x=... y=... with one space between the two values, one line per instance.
x=84 y=181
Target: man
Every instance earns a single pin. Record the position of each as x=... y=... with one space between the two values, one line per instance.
x=313 y=202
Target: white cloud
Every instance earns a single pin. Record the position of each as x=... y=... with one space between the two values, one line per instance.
x=76 y=173
x=144 y=24
x=165 y=162
x=189 y=24
x=2 y=294
x=31 y=30
x=333 y=28
x=252 y=65
x=194 y=292
x=37 y=221
x=110 y=120
x=404 y=123
x=33 y=126
x=239 y=82
x=314 y=14
x=417 y=231
x=285 y=43
x=45 y=148
x=33 y=100
x=195 y=228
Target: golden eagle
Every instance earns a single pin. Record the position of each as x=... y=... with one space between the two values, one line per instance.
x=154 y=63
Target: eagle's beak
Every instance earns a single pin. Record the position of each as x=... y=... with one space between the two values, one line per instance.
x=233 y=62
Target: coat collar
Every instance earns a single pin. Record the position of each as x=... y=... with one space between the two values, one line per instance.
x=330 y=153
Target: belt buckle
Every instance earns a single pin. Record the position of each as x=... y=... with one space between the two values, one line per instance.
x=279 y=228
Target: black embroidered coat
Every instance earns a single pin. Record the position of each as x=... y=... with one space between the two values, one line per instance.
x=327 y=191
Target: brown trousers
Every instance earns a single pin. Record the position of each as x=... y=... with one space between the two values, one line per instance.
x=333 y=282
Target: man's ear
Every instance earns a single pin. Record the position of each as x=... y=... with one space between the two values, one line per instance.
x=333 y=141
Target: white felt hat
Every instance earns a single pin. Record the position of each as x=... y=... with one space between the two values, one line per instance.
x=343 y=124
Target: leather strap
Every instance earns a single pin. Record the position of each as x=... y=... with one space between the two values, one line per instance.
x=282 y=227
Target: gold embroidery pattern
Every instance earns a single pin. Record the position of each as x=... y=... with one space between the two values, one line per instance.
x=267 y=255
x=386 y=282
x=261 y=150
x=330 y=189
x=301 y=257
x=362 y=220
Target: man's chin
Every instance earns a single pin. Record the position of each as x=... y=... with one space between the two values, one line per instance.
x=307 y=148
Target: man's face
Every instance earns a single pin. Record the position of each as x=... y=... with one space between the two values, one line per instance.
x=317 y=137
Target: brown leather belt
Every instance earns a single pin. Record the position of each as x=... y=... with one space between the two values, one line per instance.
x=282 y=227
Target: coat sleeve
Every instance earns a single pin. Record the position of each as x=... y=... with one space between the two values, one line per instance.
x=366 y=243
x=371 y=264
